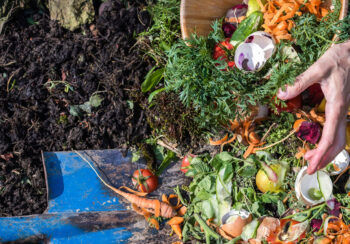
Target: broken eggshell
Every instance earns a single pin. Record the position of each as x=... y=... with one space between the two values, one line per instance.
x=234 y=221
x=264 y=40
x=249 y=57
x=304 y=182
x=255 y=51
x=341 y=161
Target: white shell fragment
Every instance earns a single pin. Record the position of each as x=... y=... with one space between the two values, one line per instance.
x=233 y=213
x=249 y=57
x=255 y=51
x=341 y=161
x=304 y=182
x=264 y=40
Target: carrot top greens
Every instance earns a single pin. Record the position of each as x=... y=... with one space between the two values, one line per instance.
x=220 y=94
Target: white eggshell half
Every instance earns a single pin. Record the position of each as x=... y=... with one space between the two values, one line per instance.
x=263 y=40
x=249 y=57
x=233 y=213
x=304 y=182
x=342 y=161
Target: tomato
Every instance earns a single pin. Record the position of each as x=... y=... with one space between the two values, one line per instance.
x=144 y=180
x=292 y=104
x=220 y=52
x=289 y=232
x=186 y=161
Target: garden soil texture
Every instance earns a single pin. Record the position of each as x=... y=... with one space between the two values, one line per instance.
x=44 y=71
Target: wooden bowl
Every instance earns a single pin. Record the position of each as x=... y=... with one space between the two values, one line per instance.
x=198 y=15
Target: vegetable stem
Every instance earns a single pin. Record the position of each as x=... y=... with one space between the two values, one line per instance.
x=208 y=231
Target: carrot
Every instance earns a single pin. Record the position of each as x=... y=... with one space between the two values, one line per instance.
x=182 y=211
x=234 y=125
x=297 y=124
x=177 y=230
x=230 y=140
x=155 y=223
x=249 y=151
x=157 y=208
x=219 y=142
x=253 y=138
x=176 y=221
x=165 y=211
x=140 y=194
x=165 y=199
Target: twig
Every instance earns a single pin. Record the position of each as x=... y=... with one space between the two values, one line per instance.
x=8 y=64
x=8 y=81
x=171 y=148
x=267 y=132
x=278 y=142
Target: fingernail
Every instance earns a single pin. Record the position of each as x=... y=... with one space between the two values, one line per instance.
x=282 y=94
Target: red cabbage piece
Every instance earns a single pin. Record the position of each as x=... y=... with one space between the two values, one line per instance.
x=309 y=131
x=231 y=21
x=228 y=29
x=334 y=207
x=316 y=224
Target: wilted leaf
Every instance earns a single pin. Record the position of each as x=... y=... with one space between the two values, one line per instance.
x=75 y=110
x=95 y=100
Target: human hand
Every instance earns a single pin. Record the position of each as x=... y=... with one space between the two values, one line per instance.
x=332 y=72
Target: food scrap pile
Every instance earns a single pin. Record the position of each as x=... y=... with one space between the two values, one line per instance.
x=253 y=187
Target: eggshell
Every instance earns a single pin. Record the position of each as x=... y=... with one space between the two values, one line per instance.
x=234 y=221
x=267 y=226
x=235 y=227
x=342 y=161
x=264 y=40
x=304 y=182
x=249 y=57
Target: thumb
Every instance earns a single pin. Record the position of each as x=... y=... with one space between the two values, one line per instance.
x=312 y=75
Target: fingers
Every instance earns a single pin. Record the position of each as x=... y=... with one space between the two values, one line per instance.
x=332 y=141
x=315 y=73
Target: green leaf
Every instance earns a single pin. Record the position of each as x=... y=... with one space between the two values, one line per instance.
x=248 y=170
x=155 y=93
x=280 y=207
x=166 y=162
x=86 y=107
x=75 y=110
x=221 y=159
x=95 y=100
x=153 y=77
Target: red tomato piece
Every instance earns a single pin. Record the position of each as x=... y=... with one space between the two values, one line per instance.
x=144 y=180
x=220 y=52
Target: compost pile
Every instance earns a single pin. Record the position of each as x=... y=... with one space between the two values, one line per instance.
x=62 y=90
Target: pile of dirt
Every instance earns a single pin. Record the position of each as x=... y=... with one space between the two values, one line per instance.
x=44 y=71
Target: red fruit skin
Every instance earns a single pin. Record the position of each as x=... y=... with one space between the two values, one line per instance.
x=152 y=181
x=220 y=52
x=186 y=162
x=292 y=104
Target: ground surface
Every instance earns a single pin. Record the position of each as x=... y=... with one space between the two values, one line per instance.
x=35 y=115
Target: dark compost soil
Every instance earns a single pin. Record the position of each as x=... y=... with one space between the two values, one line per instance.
x=102 y=57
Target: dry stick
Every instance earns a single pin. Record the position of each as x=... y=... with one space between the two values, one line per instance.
x=278 y=142
x=165 y=209
x=8 y=81
x=267 y=132
x=171 y=148
x=341 y=174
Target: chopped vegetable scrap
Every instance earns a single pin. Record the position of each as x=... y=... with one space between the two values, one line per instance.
x=279 y=14
x=309 y=131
